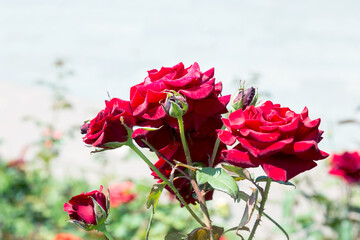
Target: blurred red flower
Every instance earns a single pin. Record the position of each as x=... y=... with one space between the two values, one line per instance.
x=121 y=193
x=346 y=166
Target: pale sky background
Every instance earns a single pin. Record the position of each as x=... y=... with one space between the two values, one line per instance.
x=307 y=53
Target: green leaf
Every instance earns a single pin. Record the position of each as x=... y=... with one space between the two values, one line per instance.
x=152 y=200
x=240 y=172
x=218 y=179
x=154 y=195
x=175 y=236
x=150 y=128
x=264 y=179
x=249 y=209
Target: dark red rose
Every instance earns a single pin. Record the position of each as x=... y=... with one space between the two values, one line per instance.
x=346 y=166
x=201 y=119
x=107 y=126
x=283 y=142
x=199 y=89
x=200 y=150
x=81 y=209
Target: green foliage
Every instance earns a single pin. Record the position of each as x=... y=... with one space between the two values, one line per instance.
x=218 y=179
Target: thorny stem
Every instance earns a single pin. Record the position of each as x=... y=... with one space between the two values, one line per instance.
x=167 y=182
x=183 y=140
x=163 y=157
x=215 y=150
x=261 y=209
x=199 y=195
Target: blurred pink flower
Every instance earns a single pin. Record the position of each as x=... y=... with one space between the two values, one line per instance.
x=66 y=236
x=121 y=193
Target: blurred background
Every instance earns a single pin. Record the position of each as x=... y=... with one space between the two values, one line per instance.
x=59 y=60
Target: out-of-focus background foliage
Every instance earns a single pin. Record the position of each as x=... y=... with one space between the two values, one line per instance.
x=58 y=60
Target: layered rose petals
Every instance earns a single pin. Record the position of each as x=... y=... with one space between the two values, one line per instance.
x=346 y=166
x=199 y=88
x=283 y=142
x=81 y=207
x=107 y=126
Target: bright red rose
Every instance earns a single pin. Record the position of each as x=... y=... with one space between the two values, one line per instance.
x=199 y=89
x=66 y=236
x=283 y=142
x=121 y=193
x=106 y=126
x=346 y=166
x=81 y=209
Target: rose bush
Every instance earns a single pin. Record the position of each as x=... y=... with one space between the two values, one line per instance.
x=283 y=142
x=346 y=166
x=82 y=210
x=107 y=126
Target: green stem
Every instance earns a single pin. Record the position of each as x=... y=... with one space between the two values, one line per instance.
x=183 y=140
x=103 y=229
x=167 y=182
x=261 y=209
x=216 y=147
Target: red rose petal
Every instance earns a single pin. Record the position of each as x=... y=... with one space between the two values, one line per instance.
x=285 y=167
x=226 y=137
x=198 y=92
x=237 y=119
x=239 y=158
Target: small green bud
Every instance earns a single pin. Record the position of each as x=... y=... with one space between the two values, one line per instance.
x=175 y=105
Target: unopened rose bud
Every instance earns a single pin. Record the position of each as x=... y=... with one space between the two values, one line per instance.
x=88 y=210
x=84 y=128
x=244 y=98
x=175 y=105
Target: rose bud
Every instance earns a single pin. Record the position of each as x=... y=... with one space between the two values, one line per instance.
x=84 y=127
x=244 y=98
x=88 y=210
x=175 y=105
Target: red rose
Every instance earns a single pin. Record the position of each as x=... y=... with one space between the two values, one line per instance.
x=199 y=89
x=81 y=209
x=66 y=236
x=347 y=166
x=201 y=119
x=106 y=126
x=283 y=142
x=121 y=193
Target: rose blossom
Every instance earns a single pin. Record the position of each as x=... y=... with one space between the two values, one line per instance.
x=107 y=126
x=202 y=118
x=283 y=142
x=66 y=236
x=199 y=89
x=81 y=209
x=346 y=166
x=121 y=193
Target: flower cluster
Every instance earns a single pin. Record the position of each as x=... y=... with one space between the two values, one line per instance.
x=346 y=166
x=276 y=138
